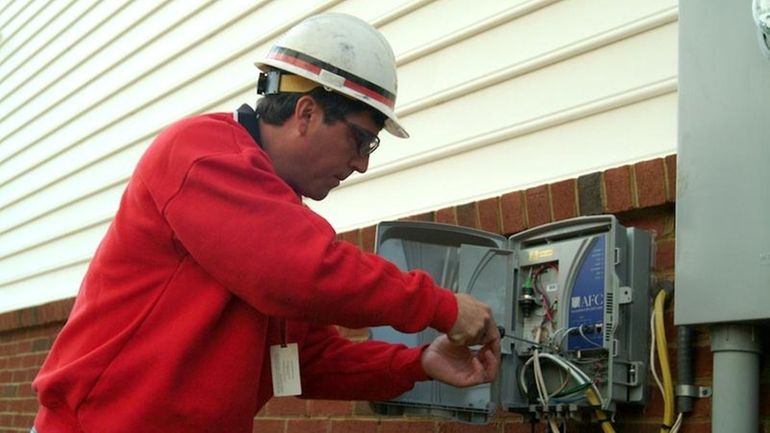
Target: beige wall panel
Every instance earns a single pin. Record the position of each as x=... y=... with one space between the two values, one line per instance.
x=19 y=18
x=85 y=86
x=160 y=95
x=52 y=222
x=38 y=260
x=60 y=283
x=31 y=39
x=61 y=174
x=488 y=58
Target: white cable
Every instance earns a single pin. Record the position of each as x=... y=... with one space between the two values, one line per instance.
x=553 y=425
x=539 y=382
x=566 y=331
x=652 y=355
x=542 y=392
x=576 y=372
x=677 y=424
x=582 y=334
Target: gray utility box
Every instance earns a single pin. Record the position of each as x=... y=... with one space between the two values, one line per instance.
x=723 y=180
x=578 y=289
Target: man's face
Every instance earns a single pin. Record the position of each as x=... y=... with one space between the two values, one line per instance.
x=331 y=154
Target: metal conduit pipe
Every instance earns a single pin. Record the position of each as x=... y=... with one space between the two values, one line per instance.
x=685 y=376
x=736 y=349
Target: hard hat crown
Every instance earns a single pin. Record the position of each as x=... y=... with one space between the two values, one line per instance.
x=345 y=54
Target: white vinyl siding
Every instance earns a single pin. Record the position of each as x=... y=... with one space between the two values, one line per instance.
x=497 y=95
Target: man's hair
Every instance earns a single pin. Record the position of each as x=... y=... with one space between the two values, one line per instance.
x=275 y=109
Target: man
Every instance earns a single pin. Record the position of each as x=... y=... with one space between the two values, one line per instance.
x=214 y=278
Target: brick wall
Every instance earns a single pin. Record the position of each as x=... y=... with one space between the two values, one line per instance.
x=640 y=195
x=25 y=337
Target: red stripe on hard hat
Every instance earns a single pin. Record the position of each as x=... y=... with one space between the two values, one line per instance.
x=296 y=62
x=370 y=93
x=316 y=70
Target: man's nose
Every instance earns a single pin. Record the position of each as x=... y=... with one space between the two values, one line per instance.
x=360 y=163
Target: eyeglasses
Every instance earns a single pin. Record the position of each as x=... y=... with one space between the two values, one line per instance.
x=365 y=140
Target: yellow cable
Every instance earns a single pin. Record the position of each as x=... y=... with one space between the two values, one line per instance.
x=600 y=415
x=665 y=368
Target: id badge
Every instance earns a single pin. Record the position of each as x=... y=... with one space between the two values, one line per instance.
x=284 y=363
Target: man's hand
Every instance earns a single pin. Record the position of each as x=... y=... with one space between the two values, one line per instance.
x=458 y=365
x=475 y=323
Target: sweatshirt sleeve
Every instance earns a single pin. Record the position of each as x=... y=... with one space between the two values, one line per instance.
x=333 y=367
x=247 y=228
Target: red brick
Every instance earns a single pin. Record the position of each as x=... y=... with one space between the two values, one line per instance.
x=269 y=426
x=506 y=416
x=318 y=408
x=617 y=188
x=650 y=183
x=56 y=311
x=355 y=334
x=368 y=238
x=696 y=427
x=512 y=210
x=446 y=215
x=457 y=427
x=31 y=360
x=351 y=236
x=665 y=255
x=702 y=407
x=6 y=419
x=23 y=421
x=25 y=390
x=40 y=344
x=564 y=199
x=24 y=346
x=407 y=427
x=425 y=217
x=670 y=162
x=703 y=363
x=538 y=206
x=8 y=390
x=468 y=215
x=29 y=405
x=28 y=317
x=362 y=408
x=307 y=426
x=517 y=427
x=287 y=406
x=489 y=215
x=14 y=362
x=262 y=412
x=654 y=407
x=623 y=425
x=354 y=426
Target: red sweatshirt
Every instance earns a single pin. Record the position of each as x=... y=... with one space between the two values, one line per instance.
x=208 y=253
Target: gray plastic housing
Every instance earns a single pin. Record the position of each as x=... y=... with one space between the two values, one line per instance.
x=465 y=261
x=492 y=268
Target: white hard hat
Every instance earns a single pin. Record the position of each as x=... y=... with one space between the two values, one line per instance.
x=344 y=54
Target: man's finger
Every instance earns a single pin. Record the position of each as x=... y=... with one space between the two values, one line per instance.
x=491 y=364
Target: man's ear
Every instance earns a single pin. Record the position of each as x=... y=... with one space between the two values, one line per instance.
x=303 y=112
